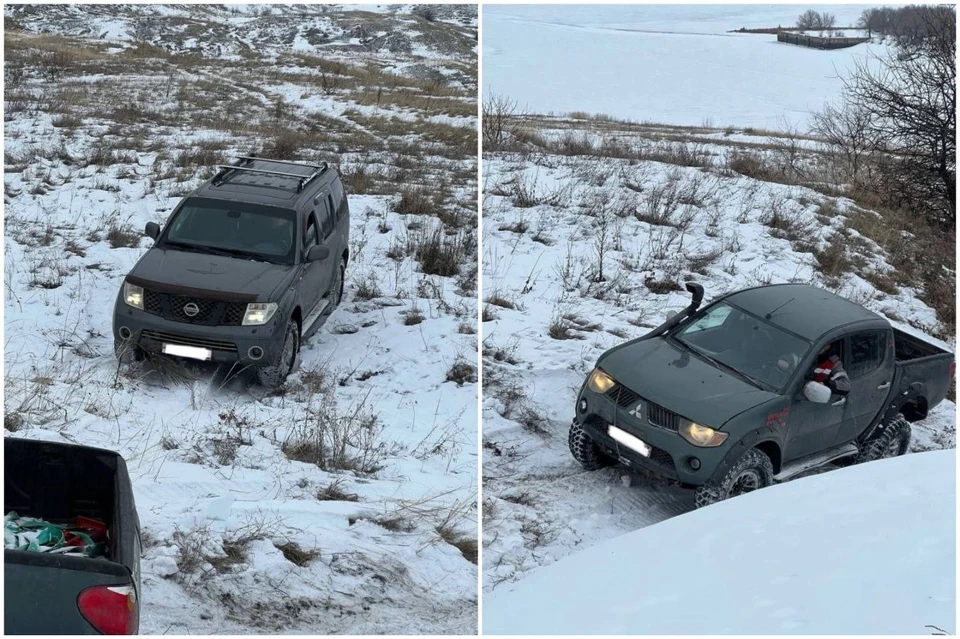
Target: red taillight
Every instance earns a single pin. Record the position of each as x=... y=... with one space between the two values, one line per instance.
x=953 y=369
x=110 y=609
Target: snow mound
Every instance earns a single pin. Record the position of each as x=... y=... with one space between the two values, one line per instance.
x=870 y=549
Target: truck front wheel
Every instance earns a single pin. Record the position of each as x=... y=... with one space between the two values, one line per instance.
x=890 y=441
x=751 y=472
x=585 y=450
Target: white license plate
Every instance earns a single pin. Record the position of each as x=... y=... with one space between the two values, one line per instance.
x=633 y=443
x=187 y=351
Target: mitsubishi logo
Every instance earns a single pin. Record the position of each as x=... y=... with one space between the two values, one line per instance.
x=637 y=410
x=191 y=309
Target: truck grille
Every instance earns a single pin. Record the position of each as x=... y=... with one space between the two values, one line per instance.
x=661 y=457
x=209 y=312
x=189 y=340
x=657 y=415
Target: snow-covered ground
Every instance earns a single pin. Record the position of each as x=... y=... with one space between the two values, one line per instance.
x=239 y=536
x=869 y=549
x=582 y=252
x=659 y=63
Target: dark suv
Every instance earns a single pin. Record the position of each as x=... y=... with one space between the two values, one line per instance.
x=247 y=267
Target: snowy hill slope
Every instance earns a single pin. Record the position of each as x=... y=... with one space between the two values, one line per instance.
x=436 y=42
x=869 y=549
x=245 y=528
x=590 y=229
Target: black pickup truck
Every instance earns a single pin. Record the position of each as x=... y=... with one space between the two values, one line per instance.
x=727 y=399
x=61 y=594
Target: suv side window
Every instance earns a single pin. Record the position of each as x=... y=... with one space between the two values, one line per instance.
x=324 y=216
x=310 y=237
x=336 y=190
x=867 y=352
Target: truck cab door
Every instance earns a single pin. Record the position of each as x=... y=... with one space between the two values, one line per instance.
x=812 y=427
x=871 y=369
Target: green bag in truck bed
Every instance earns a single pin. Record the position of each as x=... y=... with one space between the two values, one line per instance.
x=84 y=537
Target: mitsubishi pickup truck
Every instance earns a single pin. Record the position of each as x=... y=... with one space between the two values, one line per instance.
x=54 y=593
x=725 y=399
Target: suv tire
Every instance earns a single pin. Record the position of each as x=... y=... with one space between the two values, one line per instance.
x=752 y=471
x=585 y=450
x=274 y=374
x=336 y=293
x=890 y=441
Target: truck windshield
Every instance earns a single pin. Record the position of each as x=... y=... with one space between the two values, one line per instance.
x=743 y=342
x=233 y=228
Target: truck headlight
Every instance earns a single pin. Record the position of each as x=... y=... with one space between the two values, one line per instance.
x=133 y=295
x=259 y=314
x=702 y=436
x=599 y=382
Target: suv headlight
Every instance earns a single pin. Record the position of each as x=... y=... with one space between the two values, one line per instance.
x=259 y=314
x=702 y=436
x=599 y=382
x=133 y=295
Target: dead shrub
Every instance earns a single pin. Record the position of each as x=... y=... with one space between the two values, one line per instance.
x=462 y=372
x=122 y=236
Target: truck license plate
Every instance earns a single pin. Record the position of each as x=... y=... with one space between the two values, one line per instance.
x=633 y=443
x=187 y=351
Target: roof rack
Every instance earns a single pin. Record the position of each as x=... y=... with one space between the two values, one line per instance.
x=302 y=180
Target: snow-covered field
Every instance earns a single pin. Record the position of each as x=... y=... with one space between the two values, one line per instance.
x=869 y=549
x=659 y=63
x=582 y=251
x=104 y=135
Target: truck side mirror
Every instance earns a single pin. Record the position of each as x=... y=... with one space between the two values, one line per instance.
x=318 y=253
x=152 y=230
x=817 y=393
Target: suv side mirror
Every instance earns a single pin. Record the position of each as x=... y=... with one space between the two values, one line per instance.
x=671 y=314
x=817 y=393
x=152 y=230
x=318 y=253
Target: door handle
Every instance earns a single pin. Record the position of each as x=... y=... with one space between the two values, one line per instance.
x=839 y=402
x=883 y=386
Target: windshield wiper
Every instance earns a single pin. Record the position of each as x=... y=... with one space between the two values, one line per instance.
x=721 y=365
x=242 y=253
x=197 y=248
x=213 y=250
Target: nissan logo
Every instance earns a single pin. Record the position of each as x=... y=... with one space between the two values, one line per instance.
x=191 y=310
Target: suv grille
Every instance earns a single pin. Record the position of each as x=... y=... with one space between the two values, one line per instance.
x=209 y=312
x=189 y=340
x=657 y=415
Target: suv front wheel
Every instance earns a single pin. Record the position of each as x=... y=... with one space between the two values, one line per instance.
x=274 y=374
x=751 y=472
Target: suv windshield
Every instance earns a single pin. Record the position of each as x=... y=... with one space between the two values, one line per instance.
x=743 y=342
x=234 y=228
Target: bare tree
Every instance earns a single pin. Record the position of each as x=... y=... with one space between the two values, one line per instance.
x=846 y=127
x=909 y=101
x=496 y=124
x=811 y=20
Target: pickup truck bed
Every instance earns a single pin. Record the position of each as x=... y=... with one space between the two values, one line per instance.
x=923 y=369
x=57 y=482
